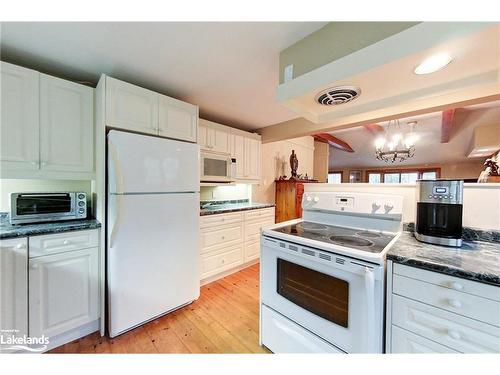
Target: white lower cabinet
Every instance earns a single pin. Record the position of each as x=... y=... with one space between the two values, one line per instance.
x=229 y=240
x=63 y=291
x=432 y=312
x=13 y=288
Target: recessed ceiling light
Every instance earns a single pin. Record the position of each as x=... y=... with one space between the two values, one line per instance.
x=433 y=64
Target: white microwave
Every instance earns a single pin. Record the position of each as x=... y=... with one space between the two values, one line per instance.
x=216 y=167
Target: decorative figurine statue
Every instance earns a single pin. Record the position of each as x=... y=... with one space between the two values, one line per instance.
x=492 y=166
x=294 y=164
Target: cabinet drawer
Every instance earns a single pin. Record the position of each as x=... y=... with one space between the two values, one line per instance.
x=253 y=228
x=404 y=341
x=482 y=309
x=260 y=213
x=218 y=236
x=454 y=331
x=220 y=219
x=58 y=243
x=213 y=264
x=449 y=282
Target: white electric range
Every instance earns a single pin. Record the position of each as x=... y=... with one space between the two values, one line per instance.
x=322 y=276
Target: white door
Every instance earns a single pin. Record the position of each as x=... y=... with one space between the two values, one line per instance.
x=19 y=118
x=66 y=125
x=238 y=152
x=152 y=256
x=13 y=288
x=63 y=291
x=221 y=140
x=252 y=159
x=131 y=107
x=177 y=119
x=140 y=163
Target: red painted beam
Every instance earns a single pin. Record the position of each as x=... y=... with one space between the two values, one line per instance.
x=447 y=125
x=374 y=128
x=333 y=141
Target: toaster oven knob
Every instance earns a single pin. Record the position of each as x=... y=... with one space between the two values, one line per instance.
x=81 y=196
x=81 y=210
x=81 y=203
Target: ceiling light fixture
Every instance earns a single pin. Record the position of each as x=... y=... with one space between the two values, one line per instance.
x=394 y=146
x=433 y=63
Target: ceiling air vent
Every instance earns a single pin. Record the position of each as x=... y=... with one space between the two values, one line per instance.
x=338 y=95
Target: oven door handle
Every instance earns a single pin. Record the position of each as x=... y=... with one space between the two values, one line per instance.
x=370 y=308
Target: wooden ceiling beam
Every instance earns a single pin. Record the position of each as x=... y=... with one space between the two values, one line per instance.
x=374 y=128
x=333 y=141
x=447 y=117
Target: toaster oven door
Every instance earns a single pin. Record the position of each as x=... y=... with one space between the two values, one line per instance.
x=41 y=207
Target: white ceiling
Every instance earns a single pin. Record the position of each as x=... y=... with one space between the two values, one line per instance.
x=230 y=70
x=428 y=149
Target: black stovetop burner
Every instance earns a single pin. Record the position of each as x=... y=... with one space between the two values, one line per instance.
x=370 y=241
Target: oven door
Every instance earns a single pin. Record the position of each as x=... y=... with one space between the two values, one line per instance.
x=39 y=207
x=215 y=167
x=337 y=298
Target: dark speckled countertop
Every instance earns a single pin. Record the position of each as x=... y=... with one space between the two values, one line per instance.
x=475 y=260
x=220 y=207
x=8 y=230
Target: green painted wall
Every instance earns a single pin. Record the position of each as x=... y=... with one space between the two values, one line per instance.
x=335 y=40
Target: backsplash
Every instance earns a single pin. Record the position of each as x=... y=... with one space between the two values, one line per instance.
x=228 y=192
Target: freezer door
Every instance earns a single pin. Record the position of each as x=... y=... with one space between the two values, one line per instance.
x=152 y=256
x=146 y=164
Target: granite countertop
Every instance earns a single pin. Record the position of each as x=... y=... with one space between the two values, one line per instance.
x=475 y=260
x=8 y=230
x=232 y=206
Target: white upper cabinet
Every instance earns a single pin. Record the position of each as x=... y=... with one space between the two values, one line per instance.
x=66 y=125
x=19 y=120
x=214 y=137
x=131 y=107
x=252 y=159
x=137 y=109
x=238 y=153
x=178 y=120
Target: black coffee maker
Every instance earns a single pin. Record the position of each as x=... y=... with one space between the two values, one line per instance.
x=439 y=212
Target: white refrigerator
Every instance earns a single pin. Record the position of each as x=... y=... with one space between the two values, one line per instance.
x=152 y=220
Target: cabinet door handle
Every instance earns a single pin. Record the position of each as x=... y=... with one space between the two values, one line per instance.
x=454 y=334
x=456 y=286
x=20 y=246
x=34 y=266
x=455 y=303
x=66 y=242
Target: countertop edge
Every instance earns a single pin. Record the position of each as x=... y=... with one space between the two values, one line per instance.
x=490 y=279
x=227 y=210
x=65 y=227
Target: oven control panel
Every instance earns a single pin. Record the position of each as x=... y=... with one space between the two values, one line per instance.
x=356 y=203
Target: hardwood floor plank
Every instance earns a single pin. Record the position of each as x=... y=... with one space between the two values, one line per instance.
x=225 y=319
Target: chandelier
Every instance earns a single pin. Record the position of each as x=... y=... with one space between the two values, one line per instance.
x=394 y=145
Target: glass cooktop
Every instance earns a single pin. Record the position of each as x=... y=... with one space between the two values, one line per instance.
x=370 y=241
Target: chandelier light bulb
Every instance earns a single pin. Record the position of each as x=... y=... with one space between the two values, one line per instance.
x=379 y=143
x=396 y=138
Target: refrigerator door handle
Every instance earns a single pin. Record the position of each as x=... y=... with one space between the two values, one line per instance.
x=117 y=218
x=116 y=175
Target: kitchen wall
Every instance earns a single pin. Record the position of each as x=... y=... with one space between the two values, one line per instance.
x=8 y=186
x=275 y=162
x=321 y=160
x=481 y=201
x=231 y=192
x=461 y=170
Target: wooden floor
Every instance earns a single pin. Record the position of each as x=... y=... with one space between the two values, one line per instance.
x=225 y=319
